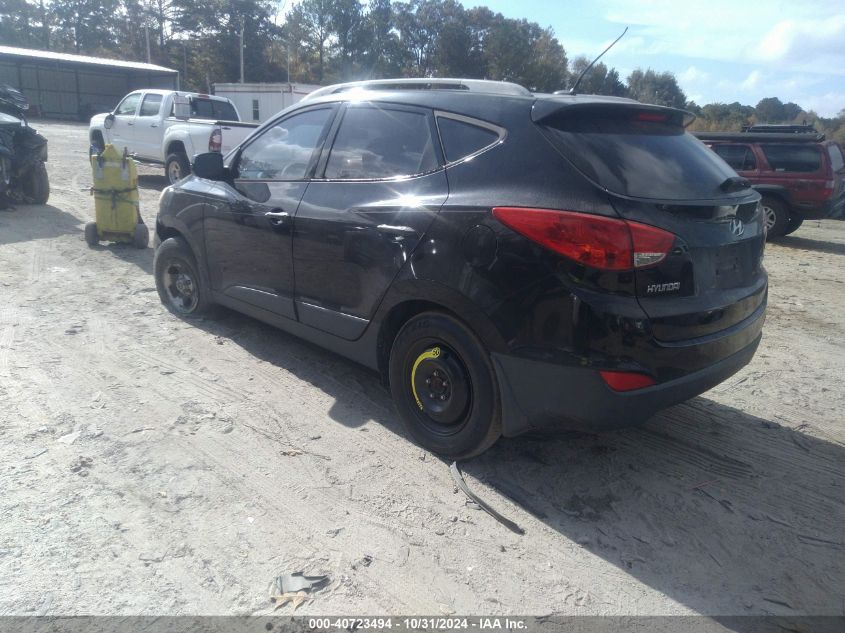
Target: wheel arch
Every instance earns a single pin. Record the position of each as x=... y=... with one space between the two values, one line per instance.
x=399 y=308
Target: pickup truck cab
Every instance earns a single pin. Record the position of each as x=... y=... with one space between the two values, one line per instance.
x=168 y=128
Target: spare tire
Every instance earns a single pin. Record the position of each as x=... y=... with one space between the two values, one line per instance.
x=36 y=184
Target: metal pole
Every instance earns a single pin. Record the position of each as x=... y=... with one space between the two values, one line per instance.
x=289 y=79
x=242 y=50
x=147 y=36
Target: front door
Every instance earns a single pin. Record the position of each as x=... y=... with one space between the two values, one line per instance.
x=358 y=224
x=248 y=226
x=122 y=132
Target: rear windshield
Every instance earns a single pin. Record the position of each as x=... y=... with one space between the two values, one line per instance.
x=212 y=109
x=640 y=158
x=792 y=157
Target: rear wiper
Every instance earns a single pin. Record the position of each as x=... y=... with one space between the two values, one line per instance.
x=735 y=183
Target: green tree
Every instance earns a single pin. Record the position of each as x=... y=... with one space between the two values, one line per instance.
x=770 y=110
x=658 y=88
x=599 y=80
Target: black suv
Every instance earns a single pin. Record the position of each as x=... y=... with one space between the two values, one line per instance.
x=506 y=261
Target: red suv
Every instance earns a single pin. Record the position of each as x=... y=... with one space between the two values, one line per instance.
x=799 y=174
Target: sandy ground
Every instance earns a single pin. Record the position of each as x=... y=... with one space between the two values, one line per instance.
x=154 y=466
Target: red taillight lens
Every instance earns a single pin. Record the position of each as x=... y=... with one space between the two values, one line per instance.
x=215 y=141
x=626 y=380
x=653 y=117
x=592 y=240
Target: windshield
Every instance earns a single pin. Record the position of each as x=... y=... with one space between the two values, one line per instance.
x=640 y=158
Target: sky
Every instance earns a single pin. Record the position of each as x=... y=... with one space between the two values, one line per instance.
x=719 y=50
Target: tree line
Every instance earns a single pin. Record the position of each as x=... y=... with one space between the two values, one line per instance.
x=326 y=41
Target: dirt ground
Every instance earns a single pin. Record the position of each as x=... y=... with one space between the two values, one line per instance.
x=154 y=466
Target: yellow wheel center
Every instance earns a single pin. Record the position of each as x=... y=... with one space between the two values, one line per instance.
x=431 y=353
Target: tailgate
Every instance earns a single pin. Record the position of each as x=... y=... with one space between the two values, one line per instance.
x=656 y=173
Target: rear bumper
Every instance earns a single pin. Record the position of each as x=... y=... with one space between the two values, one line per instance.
x=538 y=395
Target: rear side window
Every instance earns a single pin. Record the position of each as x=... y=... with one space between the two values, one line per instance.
x=461 y=138
x=791 y=157
x=836 y=161
x=377 y=143
x=150 y=105
x=740 y=157
x=210 y=109
x=630 y=153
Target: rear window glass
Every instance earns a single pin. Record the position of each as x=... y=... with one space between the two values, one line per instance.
x=381 y=143
x=641 y=159
x=739 y=157
x=210 y=109
x=461 y=139
x=836 y=161
x=793 y=157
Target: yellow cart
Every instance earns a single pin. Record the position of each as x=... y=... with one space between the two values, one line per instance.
x=115 y=194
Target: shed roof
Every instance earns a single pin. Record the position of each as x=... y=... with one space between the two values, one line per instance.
x=31 y=53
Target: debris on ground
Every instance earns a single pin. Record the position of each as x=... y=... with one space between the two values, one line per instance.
x=295 y=588
x=459 y=480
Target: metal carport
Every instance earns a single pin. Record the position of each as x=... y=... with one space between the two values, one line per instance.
x=65 y=86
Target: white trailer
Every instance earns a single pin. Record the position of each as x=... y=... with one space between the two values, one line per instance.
x=258 y=102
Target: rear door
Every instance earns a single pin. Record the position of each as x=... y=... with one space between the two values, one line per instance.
x=656 y=173
x=148 y=132
x=381 y=186
x=799 y=168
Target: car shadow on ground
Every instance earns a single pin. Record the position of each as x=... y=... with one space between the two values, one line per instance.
x=722 y=511
x=806 y=244
x=153 y=182
x=26 y=222
x=141 y=257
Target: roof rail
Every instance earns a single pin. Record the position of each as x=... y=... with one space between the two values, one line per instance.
x=781 y=128
x=471 y=85
x=783 y=137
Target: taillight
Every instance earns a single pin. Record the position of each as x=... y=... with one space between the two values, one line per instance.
x=215 y=141
x=592 y=240
x=626 y=380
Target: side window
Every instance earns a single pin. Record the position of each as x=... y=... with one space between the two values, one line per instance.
x=150 y=105
x=793 y=157
x=284 y=151
x=462 y=138
x=375 y=143
x=836 y=161
x=129 y=104
x=740 y=157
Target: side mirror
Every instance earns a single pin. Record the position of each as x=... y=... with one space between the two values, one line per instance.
x=209 y=166
x=109 y=122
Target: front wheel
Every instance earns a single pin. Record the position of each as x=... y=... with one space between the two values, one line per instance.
x=444 y=388
x=178 y=282
x=36 y=184
x=176 y=167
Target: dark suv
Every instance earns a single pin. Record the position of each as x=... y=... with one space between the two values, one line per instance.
x=507 y=262
x=799 y=174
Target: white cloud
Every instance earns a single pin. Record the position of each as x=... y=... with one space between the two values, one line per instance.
x=752 y=82
x=693 y=75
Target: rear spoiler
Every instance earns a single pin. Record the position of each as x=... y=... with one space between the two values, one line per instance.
x=557 y=107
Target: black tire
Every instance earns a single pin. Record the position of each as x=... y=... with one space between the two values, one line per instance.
x=795 y=222
x=141 y=236
x=775 y=215
x=459 y=416
x=97 y=144
x=91 y=235
x=36 y=184
x=176 y=167
x=179 y=285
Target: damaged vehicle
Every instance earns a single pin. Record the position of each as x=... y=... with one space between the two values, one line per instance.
x=23 y=154
x=507 y=261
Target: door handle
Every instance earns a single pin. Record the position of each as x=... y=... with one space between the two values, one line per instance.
x=153 y=124
x=277 y=217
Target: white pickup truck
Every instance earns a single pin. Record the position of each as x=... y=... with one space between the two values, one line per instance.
x=169 y=128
